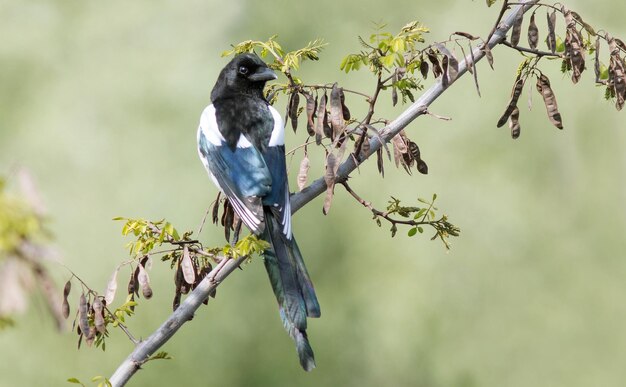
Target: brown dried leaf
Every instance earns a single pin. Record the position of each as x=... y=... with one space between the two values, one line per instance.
x=303 y=172
x=189 y=273
x=516 y=31
x=109 y=293
x=518 y=86
x=533 y=33
x=311 y=106
x=514 y=123
x=543 y=86
x=336 y=111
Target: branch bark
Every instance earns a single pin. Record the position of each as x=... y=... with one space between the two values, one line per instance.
x=185 y=311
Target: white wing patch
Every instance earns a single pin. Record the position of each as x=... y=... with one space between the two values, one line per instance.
x=278 y=133
x=208 y=126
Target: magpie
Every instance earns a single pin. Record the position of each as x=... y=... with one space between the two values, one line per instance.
x=241 y=144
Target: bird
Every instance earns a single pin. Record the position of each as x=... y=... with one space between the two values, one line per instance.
x=241 y=144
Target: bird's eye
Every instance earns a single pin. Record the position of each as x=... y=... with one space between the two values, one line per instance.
x=243 y=70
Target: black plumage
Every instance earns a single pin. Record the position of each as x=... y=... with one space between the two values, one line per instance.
x=241 y=143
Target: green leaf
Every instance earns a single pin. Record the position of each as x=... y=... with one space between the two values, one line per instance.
x=412 y=231
x=490 y=2
x=560 y=45
x=75 y=381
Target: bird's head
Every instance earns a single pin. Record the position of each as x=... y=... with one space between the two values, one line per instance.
x=245 y=74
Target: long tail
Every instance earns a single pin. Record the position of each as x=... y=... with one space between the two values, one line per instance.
x=292 y=286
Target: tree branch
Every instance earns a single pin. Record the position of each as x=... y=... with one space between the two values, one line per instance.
x=193 y=301
x=418 y=108
x=180 y=316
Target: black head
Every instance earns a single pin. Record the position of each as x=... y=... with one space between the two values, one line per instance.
x=246 y=74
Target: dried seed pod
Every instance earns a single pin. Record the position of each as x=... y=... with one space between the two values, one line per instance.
x=574 y=52
x=432 y=57
x=228 y=218
x=303 y=173
x=514 y=123
x=450 y=66
x=472 y=64
x=344 y=108
x=399 y=148
x=331 y=165
x=488 y=55
x=424 y=68
x=98 y=315
x=336 y=111
x=414 y=150
x=551 y=38
x=533 y=33
x=83 y=316
x=365 y=147
x=518 y=86
x=380 y=162
x=445 y=81
x=65 y=306
x=327 y=129
x=465 y=35
x=596 y=64
x=67 y=288
x=294 y=102
x=422 y=167
x=189 y=272
x=617 y=74
x=516 y=31
x=132 y=283
x=109 y=294
x=311 y=106
x=216 y=209
x=543 y=86
x=321 y=117
x=144 y=281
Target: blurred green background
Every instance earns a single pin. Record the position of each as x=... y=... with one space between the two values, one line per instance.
x=101 y=100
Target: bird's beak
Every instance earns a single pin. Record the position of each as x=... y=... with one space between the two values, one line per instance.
x=262 y=74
